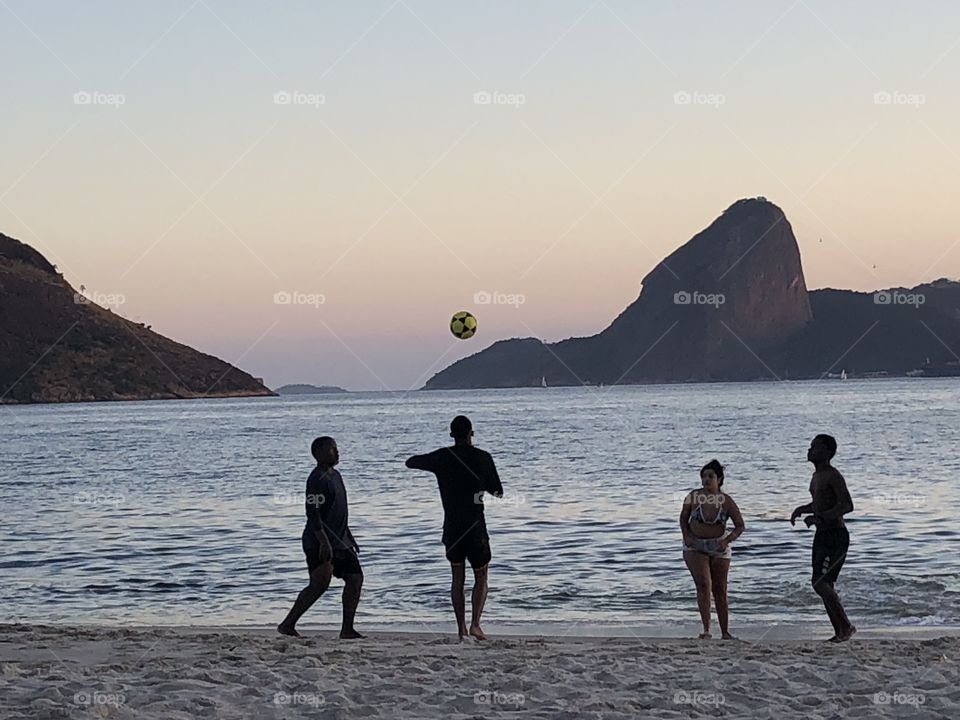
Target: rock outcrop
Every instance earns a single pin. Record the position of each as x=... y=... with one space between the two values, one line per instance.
x=55 y=346
x=732 y=304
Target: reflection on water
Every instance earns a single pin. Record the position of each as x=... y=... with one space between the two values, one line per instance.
x=191 y=511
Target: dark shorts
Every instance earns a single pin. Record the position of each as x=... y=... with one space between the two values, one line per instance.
x=345 y=562
x=829 y=552
x=475 y=549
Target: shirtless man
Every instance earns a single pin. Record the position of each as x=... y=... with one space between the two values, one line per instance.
x=831 y=501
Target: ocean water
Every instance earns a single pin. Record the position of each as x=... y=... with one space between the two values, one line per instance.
x=191 y=512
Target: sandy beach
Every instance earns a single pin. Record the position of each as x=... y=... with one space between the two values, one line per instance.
x=63 y=672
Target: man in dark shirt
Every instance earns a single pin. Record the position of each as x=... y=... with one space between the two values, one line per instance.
x=831 y=501
x=327 y=541
x=464 y=473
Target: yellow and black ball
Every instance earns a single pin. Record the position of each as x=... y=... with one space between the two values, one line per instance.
x=463 y=325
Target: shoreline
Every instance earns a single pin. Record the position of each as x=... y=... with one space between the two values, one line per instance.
x=553 y=632
x=179 y=673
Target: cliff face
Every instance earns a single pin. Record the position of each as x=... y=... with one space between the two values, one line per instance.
x=734 y=289
x=732 y=304
x=56 y=349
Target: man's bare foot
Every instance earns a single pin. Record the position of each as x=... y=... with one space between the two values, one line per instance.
x=847 y=636
x=705 y=636
x=476 y=632
x=285 y=630
x=727 y=636
x=350 y=634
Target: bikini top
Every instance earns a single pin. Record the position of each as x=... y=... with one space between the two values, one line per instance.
x=720 y=519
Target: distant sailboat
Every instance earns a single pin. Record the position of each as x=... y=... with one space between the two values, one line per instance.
x=843 y=374
x=543 y=381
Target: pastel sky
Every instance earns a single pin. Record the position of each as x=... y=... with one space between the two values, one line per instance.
x=179 y=179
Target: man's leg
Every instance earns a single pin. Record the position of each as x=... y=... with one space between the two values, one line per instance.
x=699 y=566
x=842 y=627
x=477 y=600
x=456 y=596
x=319 y=582
x=353 y=584
x=719 y=569
x=829 y=554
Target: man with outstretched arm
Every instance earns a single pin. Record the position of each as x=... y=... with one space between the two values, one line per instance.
x=464 y=473
x=327 y=542
x=831 y=501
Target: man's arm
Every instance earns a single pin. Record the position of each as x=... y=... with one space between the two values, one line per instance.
x=844 y=501
x=426 y=462
x=493 y=485
x=801 y=510
x=316 y=499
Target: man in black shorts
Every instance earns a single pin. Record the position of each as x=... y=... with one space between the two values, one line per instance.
x=327 y=542
x=464 y=473
x=831 y=501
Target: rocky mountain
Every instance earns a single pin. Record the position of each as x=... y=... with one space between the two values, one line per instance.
x=732 y=304
x=58 y=346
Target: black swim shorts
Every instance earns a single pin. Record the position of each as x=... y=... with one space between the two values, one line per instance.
x=829 y=552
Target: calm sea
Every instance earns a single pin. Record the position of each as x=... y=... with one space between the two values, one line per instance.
x=191 y=512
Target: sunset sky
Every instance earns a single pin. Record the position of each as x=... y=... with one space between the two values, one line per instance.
x=146 y=152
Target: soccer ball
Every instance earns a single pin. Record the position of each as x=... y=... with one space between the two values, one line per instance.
x=463 y=325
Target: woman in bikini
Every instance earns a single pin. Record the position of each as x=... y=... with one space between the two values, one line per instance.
x=706 y=543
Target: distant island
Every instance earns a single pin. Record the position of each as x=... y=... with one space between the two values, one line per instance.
x=303 y=389
x=59 y=345
x=732 y=304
